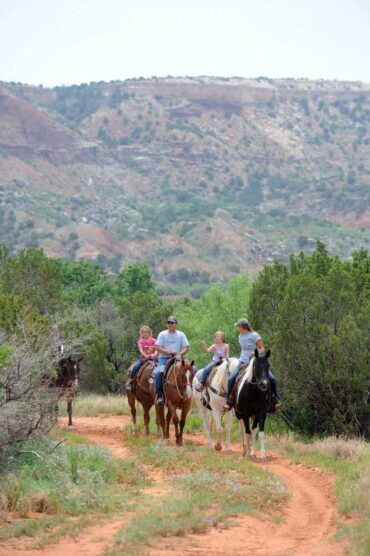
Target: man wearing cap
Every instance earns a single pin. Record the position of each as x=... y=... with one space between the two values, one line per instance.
x=249 y=340
x=170 y=343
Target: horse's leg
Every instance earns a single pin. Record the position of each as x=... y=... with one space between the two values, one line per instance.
x=159 y=409
x=206 y=424
x=254 y=433
x=184 y=413
x=219 y=430
x=261 y=435
x=175 y=419
x=146 y=418
x=228 y=427
x=244 y=436
x=249 y=435
x=132 y=403
x=168 y=422
x=69 y=411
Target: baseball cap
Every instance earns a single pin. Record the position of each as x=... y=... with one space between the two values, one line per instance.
x=242 y=322
x=172 y=319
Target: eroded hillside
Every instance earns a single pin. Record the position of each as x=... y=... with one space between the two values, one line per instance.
x=200 y=177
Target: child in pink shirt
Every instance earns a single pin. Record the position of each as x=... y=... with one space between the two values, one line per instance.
x=147 y=351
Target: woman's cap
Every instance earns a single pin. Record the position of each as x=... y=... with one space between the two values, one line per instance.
x=242 y=322
x=172 y=320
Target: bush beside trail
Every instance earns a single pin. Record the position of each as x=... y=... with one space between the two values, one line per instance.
x=315 y=315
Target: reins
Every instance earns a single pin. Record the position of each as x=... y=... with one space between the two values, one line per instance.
x=181 y=396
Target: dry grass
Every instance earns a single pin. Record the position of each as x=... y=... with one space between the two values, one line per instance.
x=92 y=405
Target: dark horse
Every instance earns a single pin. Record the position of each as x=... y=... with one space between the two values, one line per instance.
x=253 y=400
x=143 y=393
x=177 y=386
x=67 y=378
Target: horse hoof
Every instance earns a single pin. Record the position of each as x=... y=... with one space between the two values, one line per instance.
x=262 y=457
x=244 y=452
x=228 y=450
x=218 y=447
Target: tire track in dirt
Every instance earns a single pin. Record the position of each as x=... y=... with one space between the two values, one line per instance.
x=307 y=529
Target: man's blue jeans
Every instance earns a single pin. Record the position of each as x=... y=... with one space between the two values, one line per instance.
x=158 y=375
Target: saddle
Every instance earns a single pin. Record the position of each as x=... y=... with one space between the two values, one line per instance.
x=240 y=375
x=142 y=368
x=168 y=365
x=232 y=397
x=208 y=386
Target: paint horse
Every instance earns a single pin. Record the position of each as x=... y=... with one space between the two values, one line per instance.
x=253 y=400
x=216 y=389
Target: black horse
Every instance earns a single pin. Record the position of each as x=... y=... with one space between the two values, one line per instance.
x=67 y=379
x=253 y=400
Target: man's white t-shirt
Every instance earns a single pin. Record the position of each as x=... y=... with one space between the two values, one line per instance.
x=172 y=341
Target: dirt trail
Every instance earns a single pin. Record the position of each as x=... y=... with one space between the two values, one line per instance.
x=308 y=519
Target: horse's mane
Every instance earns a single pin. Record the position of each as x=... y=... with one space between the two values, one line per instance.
x=220 y=373
x=248 y=376
x=249 y=372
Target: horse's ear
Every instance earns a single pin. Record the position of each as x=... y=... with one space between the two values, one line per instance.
x=182 y=362
x=192 y=363
x=268 y=353
x=256 y=352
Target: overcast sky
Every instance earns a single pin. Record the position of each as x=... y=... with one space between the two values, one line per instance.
x=56 y=42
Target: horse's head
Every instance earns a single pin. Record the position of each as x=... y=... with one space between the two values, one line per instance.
x=261 y=367
x=69 y=369
x=185 y=372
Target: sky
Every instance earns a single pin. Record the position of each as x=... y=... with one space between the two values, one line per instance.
x=64 y=42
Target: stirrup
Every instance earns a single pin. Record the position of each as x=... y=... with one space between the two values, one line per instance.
x=159 y=400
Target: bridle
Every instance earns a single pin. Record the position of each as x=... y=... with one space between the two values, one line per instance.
x=185 y=385
x=262 y=384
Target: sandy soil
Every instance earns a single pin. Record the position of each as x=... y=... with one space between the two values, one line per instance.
x=307 y=528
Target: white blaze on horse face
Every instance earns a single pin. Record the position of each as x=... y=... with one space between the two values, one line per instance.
x=188 y=386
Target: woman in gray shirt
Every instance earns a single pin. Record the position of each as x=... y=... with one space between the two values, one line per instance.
x=249 y=340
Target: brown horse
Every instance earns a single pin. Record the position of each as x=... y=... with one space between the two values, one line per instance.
x=143 y=393
x=67 y=380
x=177 y=389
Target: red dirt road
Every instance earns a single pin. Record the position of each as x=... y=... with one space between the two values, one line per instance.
x=307 y=528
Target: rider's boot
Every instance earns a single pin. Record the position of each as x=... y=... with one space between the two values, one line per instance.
x=159 y=398
x=129 y=384
x=229 y=403
x=200 y=387
x=278 y=404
